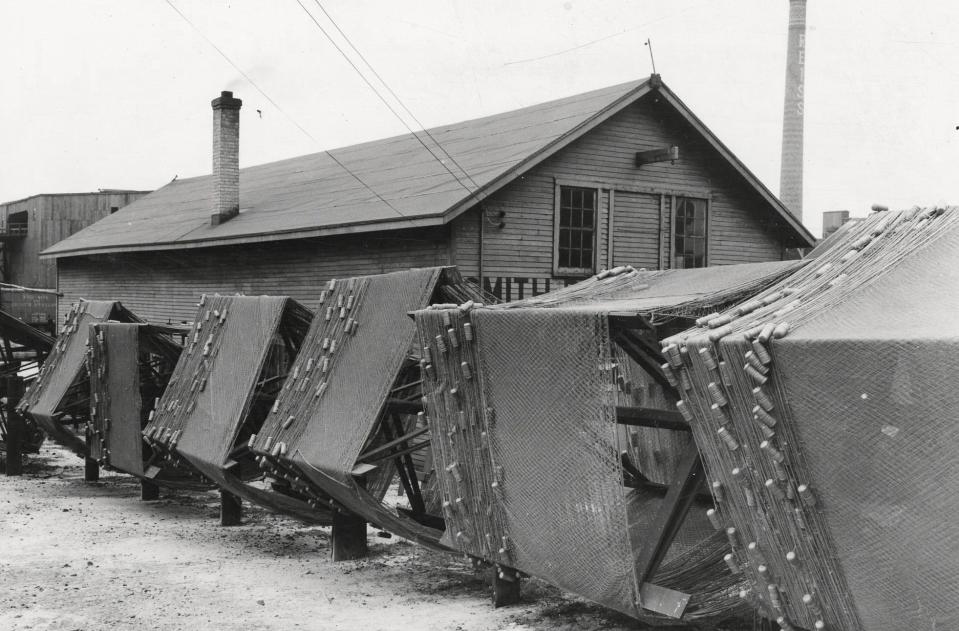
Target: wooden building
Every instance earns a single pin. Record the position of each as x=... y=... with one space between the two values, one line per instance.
x=526 y=201
x=30 y=225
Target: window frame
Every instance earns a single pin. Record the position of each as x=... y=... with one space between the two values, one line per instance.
x=575 y=272
x=707 y=206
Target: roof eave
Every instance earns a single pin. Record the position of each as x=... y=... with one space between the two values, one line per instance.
x=357 y=228
x=780 y=208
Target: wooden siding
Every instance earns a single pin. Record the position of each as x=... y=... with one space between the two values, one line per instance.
x=636 y=234
x=740 y=223
x=165 y=286
x=50 y=219
x=517 y=259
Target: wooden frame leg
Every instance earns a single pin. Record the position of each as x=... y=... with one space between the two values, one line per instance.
x=16 y=428
x=14 y=443
x=506 y=586
x=231 y=509
x=91 y=470
x=149 y=491
x=680 y=496
x=349 y=536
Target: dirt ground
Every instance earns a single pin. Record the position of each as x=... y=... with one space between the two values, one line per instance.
x=81 y=556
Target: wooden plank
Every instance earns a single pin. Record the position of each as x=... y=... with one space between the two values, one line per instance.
x=393 y=443
x=642 y=356
x=399 y=406
x=629 y=320
x=680 y=496
x=662 y=600
x=610 y=221
x=651 y=417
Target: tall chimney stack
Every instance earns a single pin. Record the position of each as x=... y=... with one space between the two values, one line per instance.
x=226 y=158
x=790 y=180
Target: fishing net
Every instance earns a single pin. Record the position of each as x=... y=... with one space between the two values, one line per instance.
x=60 y=396
x=828 y=428
x=223 y=386
x=345 y=424
x=522 y=403
x=509 y=461
x=114 y=428
x=130 y=364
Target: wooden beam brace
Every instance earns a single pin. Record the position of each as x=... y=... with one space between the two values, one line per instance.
x=629 y=320
x=401 y=452
x=641 y=357
x=634 y=478
x=372 y=453
x=406 y=462
x=399 y=406
x=639 y=339
x=680 y=496
x=651 y=417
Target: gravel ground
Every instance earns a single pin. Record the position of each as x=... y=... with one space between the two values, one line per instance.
x=80 y=556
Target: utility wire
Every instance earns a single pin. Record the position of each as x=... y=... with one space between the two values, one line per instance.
x=386 y=102
x=395 y=96
x=280 y=109
x=606 y=37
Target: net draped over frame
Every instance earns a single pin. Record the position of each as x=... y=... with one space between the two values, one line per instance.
x=832 y=435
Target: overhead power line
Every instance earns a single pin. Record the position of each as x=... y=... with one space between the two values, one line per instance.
x=386 y=102
x=395 y=96
x=280 y=109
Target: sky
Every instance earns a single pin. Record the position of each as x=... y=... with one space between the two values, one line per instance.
x=116 y=93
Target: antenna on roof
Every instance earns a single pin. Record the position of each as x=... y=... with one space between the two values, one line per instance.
x=649 y=44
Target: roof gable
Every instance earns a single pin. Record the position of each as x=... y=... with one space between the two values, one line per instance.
x=312 y=195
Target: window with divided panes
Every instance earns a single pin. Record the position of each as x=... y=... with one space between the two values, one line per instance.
x=576 y=230
x=689 y=233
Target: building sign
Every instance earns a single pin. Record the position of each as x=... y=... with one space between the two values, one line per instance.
x=509 y=288
x=33 y=307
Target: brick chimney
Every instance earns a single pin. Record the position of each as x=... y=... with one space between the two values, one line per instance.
x=791 y=175
x=226 y=158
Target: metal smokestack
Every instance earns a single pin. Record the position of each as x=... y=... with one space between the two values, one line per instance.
x=790 y=179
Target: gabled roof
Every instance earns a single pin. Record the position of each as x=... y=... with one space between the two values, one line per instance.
x=312 y=195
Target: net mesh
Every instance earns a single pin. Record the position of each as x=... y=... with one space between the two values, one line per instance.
x=130 y=364
x=331 y=407
x=663 y=294
x=528 y=459
x=561 y=474
x=220 y=391
x=113 y=433
x=61 y=391
x=831 y=434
